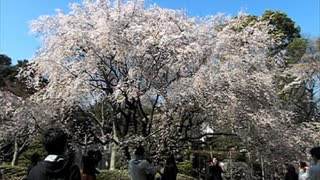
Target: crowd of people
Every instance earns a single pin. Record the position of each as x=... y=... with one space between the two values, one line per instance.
x=141 y=169
x=59 y=164
x=305 y=171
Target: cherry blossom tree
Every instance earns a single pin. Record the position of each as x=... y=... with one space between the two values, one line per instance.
x=237 y=92
x=159 y=77
x=20 y=120
x=119 y=53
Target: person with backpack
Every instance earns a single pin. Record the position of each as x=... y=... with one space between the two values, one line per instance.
x=170 y=170
x=57 y=165
x=139 y=168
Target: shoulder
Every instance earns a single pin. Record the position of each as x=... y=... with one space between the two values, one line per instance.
x=145 y=162
x=314 y=169
x=131 y=160
x=38 y=171
x=42 y=165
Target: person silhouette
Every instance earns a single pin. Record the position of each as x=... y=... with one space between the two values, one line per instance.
x=214 y=170
x=291 y=173
x=56 y=165
x=170 y=170
x=314 y=170
x=89 y=163
x=303 y=170
x=139 y=168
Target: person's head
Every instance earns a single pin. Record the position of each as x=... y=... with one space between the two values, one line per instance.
x=315 y=153
x=215 y=161
x=303 y=165
x=139 y=151
x=55 y=141
x=170 y=160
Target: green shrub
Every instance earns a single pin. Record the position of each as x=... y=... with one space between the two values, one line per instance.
x=184 y=177
x=185 y=167
x=113 y=174
x=17 y=173
x=35 y=147
x=12 y=173
x=123 y=175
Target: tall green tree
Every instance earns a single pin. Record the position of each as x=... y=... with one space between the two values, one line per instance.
x=5 y=60
x=7 y=72
x=289 y=33
x=296 y=49
x=8 y=77
x=284 y=25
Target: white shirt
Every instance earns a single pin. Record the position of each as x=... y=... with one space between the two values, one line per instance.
x=303 y=174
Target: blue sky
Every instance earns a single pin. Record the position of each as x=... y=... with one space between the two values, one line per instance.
x=17 y=43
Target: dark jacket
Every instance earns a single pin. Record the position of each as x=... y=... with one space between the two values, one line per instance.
x=215 y=172
x=291 y=176
x=170 y=172
x=291 y=173
x=59 y=169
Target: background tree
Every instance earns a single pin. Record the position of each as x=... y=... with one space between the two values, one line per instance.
x=8 y=79
x=20 y=121
x=284 y=26
x=7 y=71
x=5 y=60
x=292 y=45
x=300 y=84
x=296 y=49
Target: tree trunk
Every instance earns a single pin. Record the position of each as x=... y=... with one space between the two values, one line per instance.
x=85 y=144
x=262 y=167
x=251 y=165
x=114 y=148
x=15 y=153
x=113 y=156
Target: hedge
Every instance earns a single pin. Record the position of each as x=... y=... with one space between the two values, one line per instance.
x=123 y=175
x=17 y=173
x=113 y=174
x=8 y=172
